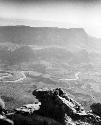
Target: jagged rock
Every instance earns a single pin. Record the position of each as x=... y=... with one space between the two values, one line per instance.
x=56 y=104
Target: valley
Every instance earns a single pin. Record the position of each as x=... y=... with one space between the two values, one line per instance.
x=66 y=58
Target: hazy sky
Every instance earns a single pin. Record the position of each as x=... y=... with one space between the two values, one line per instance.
x=70 y=13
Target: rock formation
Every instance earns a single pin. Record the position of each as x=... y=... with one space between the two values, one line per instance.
x=54 y=108
x=57 y=105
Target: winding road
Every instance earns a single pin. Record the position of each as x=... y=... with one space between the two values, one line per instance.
x=23 y=76
x=10 y=74
x=76 y=77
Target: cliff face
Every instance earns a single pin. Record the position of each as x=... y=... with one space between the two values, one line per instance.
x=41 y=35
x=54 y=108
x=46 y=36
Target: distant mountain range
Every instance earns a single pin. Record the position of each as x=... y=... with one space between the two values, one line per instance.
x=75 y=38
x=44 y=43
x=56 y=53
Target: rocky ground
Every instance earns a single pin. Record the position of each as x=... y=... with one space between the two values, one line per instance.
x=54 y=107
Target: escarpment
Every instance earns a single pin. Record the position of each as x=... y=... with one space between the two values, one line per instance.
x=55 y=107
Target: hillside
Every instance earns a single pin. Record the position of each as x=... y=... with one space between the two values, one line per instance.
x=28 y=54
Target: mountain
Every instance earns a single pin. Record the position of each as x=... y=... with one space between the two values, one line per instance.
x=23 y=44
x=73 y=38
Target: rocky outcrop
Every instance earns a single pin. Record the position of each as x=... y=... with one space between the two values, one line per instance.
x=54 y=108
x=57 y=105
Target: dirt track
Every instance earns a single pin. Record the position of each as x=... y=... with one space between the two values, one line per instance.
x=8 y=74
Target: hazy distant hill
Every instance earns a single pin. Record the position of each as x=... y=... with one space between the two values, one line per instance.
x=75 y=45
x=27 y=54
x=73 y=38
x=22 y=54
x=56 y=54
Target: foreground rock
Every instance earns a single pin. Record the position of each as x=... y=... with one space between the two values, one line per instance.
x=57 y=105
x=54 y=108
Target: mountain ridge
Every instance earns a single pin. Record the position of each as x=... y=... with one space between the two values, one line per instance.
x=75 y=38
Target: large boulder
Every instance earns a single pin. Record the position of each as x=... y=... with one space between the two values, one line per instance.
x=56 y=104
